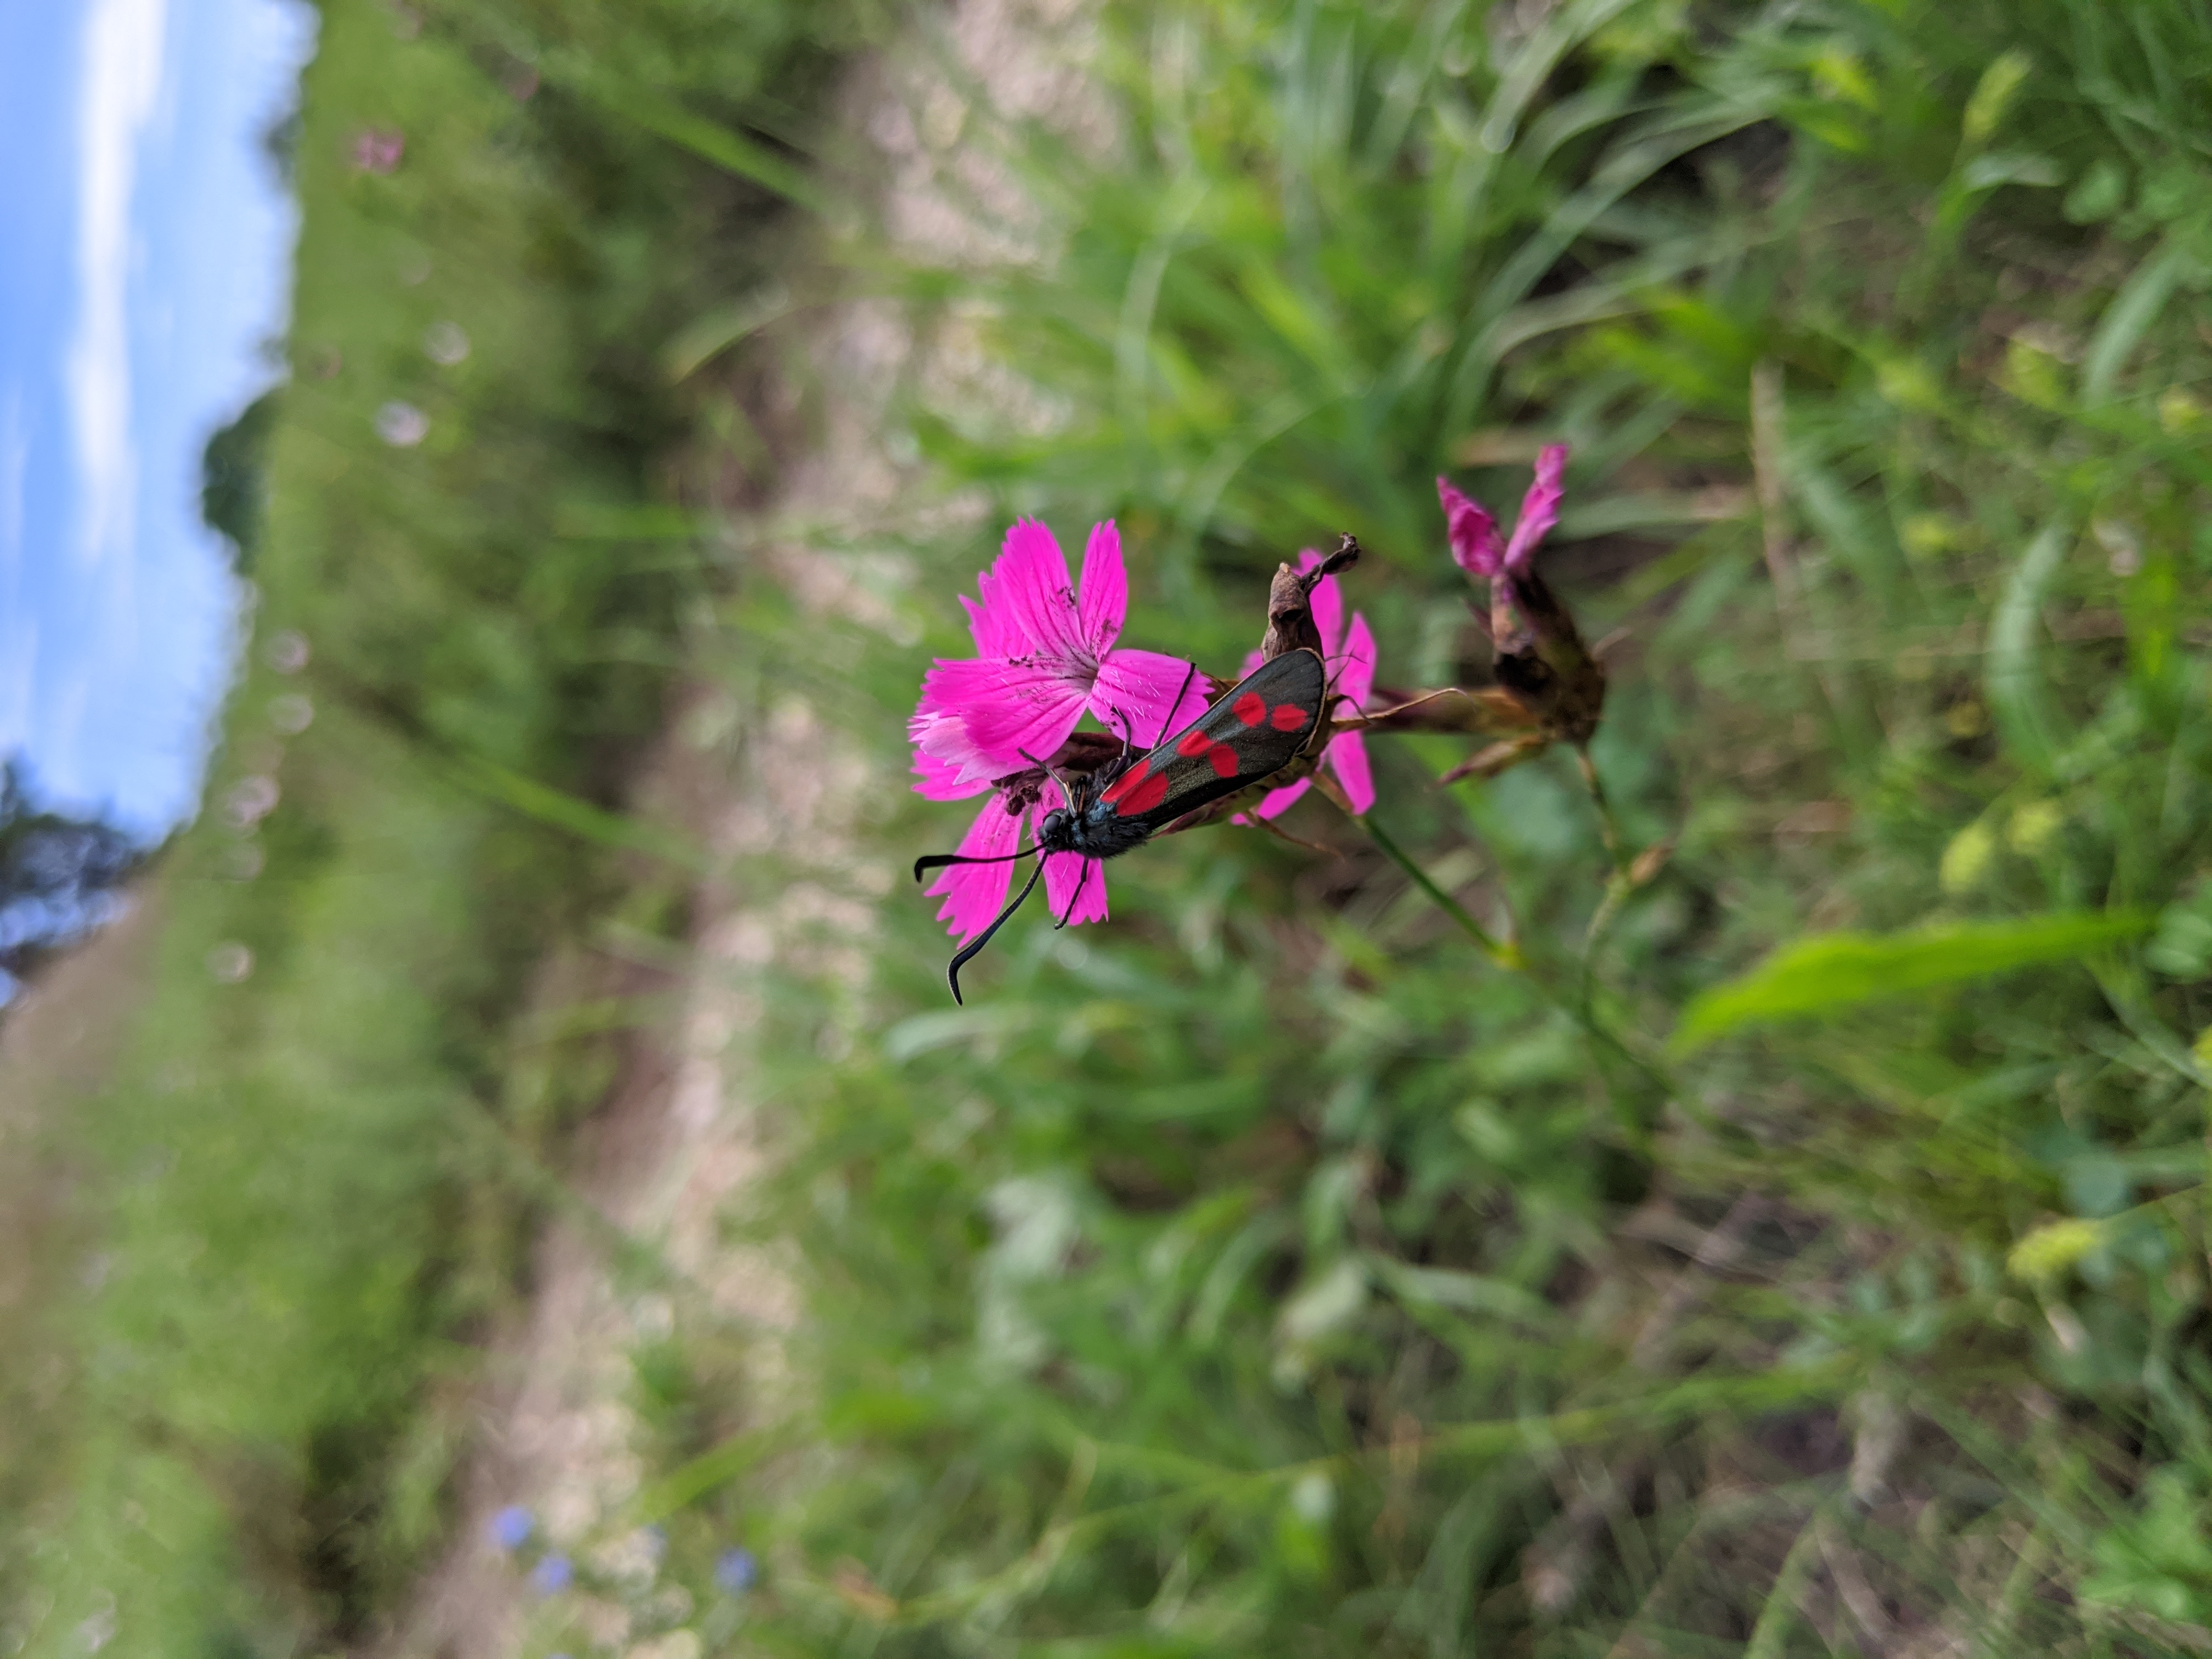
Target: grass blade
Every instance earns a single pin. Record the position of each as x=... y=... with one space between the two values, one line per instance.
x=2127 y=319
x=1843 y=969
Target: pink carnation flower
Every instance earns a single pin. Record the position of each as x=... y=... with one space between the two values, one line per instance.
x=1351 y=662
x=1045 y=655
x=1475 y=543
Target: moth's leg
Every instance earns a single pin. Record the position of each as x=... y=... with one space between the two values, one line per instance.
x=1075 y=898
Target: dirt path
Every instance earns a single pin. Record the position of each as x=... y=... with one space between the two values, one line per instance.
x=59 y=1033
x=685 y=1138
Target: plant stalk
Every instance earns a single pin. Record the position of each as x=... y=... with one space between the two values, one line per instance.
x=1504 y=954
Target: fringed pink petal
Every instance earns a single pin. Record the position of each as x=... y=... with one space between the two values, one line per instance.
x=939 y=778
x=1276 y=802
x=1475 y=545
x=1030 y=599
x=989 y=627
x=996 y=717
x=1136 y=699
x=973 y=893
x=1327 y=602
x=949 y=764
x=1354 y=671
x=1102 y=600
x=1065 y=882
x=1539 y=508
x=1346 y=757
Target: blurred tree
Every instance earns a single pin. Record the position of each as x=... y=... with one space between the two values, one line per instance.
x=59 y=878
x=234 y=477
x=280 y=144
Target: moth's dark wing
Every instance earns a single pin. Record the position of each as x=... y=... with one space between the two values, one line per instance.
x=1295 y=679
x=1263 y=724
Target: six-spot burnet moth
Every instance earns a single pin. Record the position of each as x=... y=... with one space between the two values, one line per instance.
x=1263 y=723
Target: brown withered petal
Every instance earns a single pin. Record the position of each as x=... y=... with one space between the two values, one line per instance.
x=1290 y=625
x=1493 y=758
x=1541 y=658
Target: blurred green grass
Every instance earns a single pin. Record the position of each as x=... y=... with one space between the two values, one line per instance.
x=301 y=1198
x=1264 y=1271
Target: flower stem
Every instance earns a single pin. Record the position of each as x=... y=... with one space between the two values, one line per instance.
x=1619 y=884
x=1608 y=830
x=1637 y=1118
x=1504 y=954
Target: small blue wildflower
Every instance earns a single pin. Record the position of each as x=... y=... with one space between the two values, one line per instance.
x=552 y=1575
x=511 y=1528
x=736 y=1571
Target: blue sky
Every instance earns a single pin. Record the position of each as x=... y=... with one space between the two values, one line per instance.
x=144 y=267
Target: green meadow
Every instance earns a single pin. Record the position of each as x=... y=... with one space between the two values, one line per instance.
x=1794 y=1243
x=303 y=1195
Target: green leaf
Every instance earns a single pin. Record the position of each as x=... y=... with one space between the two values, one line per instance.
x=658 y=112
x=2182 y=948
x=2127 y=319
x=2012 y=167
x=1838 y=970
x=2012 y=679
x=2101 y=191
x=1992 y=96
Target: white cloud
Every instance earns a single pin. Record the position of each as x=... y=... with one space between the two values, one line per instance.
x=18 y=639
x=66 y=775
x=15 y=462
x=118 y=100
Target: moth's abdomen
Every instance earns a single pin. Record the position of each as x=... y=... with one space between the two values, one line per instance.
x=1101 y=834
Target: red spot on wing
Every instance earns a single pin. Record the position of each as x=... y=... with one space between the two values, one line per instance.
x=1287 y=717
x=1145 y=797
x=1194 y=743
x=1251 y=708
x=1122 y=785
x=1224 y=760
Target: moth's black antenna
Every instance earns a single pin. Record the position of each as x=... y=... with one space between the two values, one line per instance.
x=1190 y=673
x=967 y=952
x=938 y=861
x=1120 y=762
x=1076 y=896
x=1330 y=696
